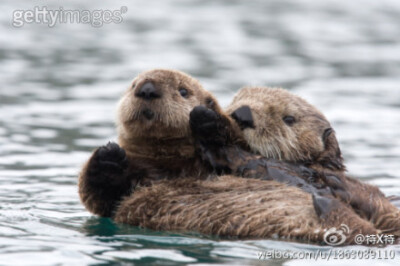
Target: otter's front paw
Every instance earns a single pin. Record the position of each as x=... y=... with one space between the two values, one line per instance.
x=108 y=164
x=204 y=123
x=338 y=187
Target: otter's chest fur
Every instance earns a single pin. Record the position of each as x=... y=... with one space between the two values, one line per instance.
x=166 y=162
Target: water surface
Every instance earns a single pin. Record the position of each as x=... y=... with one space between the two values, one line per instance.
x=59 y=87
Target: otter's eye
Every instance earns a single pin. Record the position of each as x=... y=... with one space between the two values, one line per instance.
x=209 y=102
x=184 y=92
x=289 y=120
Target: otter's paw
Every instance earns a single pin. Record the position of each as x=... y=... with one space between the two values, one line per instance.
x=324 y=206
x=108 y=164
x=111 y=158
x=338 y=187
x=204 y=122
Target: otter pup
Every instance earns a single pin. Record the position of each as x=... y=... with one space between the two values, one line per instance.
x=154 y=138
x=279 y=125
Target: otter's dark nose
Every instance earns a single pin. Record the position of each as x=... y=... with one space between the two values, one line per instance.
x=243 y=117
x=148 y=91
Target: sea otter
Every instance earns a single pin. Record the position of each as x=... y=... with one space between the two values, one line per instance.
x=279 y=125
x=174 y=189
x=154 y=140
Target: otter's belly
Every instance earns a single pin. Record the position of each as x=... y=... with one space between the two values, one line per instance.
x=228 y=206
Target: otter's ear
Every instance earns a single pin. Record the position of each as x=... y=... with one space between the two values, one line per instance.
x=331 y=157
x=243 y=117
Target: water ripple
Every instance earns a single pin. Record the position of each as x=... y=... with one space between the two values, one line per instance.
x=60 y=87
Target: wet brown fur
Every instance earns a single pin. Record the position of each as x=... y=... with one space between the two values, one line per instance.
x=230 y=206
x=174 y=189
x=305 y=142
x=157 y=148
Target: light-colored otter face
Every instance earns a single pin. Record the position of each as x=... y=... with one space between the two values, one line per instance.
x=286 y=127
x=157 y=105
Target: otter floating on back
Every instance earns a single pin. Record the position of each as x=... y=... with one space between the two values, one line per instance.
x=279 y=125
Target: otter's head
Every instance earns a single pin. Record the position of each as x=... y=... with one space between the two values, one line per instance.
x=157 y=105
x=280 y=125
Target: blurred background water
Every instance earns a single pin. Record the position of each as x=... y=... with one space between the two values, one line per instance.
x=59 y=87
